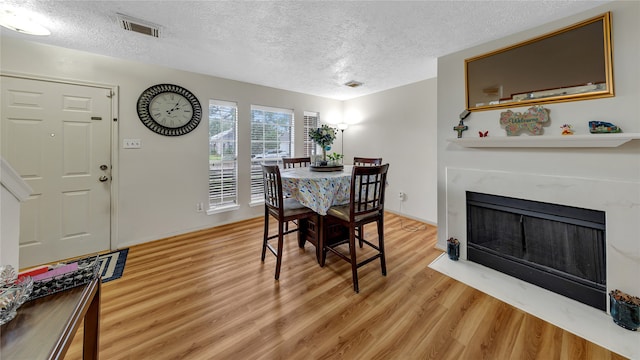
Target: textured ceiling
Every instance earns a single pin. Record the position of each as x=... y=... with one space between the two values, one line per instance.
x=312 y=47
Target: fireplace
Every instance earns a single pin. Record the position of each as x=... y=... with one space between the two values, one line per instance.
x=557 y=247
x=618 y=199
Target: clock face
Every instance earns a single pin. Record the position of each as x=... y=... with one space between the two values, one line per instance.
x=169 y=110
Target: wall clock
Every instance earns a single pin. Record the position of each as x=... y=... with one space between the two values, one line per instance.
x=169 y=110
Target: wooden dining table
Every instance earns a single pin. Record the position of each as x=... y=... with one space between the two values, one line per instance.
x=318 y=190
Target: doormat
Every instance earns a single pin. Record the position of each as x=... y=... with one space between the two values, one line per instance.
x=112 y=264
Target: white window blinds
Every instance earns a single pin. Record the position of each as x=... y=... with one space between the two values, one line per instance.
x=223 y=152
x=311 y=121
x=271 y=140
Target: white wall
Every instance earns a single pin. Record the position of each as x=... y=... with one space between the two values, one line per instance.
x=159 y=185
x=399 y=125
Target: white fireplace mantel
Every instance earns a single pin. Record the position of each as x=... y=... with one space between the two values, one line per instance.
x=548 y=141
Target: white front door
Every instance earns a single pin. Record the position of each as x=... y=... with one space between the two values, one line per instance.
x=57 y=136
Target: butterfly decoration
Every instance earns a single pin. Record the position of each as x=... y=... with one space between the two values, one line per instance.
x=483 y=134
x=567 y=129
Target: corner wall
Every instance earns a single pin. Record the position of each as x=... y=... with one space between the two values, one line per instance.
x=399 y=125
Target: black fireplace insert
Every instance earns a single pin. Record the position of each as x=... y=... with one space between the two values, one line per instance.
x=557 y=247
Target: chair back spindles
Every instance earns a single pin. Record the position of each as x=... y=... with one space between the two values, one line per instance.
x=367 y=188
x=289 y=163
x=272 y=187
x=363 y=161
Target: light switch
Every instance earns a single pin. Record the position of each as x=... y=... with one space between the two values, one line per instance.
x=131 y=143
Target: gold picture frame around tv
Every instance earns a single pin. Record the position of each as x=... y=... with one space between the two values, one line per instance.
x=570 y=64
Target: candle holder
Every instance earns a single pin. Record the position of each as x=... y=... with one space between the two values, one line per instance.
x=453 y=249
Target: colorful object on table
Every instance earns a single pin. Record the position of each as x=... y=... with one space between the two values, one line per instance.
x=531 y=121
x=566 y=129
x=602 y=127
x=34 y=271
x=483 y=134
x=460 y=128
x=65 y=276
x=60 y=270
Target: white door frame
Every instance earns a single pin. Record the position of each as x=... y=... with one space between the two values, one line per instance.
x=114 y=139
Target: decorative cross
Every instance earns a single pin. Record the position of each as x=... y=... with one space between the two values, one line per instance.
x=460 y=128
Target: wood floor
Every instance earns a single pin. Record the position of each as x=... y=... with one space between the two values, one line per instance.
x=207 y=295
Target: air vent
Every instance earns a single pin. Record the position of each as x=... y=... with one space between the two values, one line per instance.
x=353 y=84
x=140 y=26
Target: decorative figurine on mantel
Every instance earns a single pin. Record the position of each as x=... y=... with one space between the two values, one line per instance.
x=566 y=129
x=602 y=127
x=483 y=134
x=461 y=126
x=531 y=121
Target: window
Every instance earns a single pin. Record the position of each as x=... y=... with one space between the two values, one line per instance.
x=271 y=140
x=311 y=121
x=223 y=151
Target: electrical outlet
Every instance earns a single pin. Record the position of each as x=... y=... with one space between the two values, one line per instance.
x=131 y=144
x=401 y=196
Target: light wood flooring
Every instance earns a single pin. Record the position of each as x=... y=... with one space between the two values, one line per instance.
x=207 y=295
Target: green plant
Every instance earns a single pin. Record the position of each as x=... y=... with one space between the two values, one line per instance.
x=323 y=135
x=335 y=156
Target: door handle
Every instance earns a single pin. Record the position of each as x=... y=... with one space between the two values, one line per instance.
x=103 y=178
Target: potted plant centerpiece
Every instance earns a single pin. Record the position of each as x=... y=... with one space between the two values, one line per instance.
x=334 y=159
x=324 y=137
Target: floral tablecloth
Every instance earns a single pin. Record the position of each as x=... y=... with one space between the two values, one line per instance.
x=317 y=190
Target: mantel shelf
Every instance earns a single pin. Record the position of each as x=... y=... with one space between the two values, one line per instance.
x=548 y=141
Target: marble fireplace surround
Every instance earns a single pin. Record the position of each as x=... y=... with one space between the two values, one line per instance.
x=621 y=202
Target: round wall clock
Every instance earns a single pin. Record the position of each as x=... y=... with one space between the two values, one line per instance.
x=169 y=110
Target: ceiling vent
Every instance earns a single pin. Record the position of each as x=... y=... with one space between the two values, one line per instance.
x=140 y=26
x=353 y=84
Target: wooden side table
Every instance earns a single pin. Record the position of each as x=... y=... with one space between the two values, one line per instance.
x=44 y=328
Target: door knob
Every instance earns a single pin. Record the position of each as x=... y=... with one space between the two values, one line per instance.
x=103 y=167
x=103 y=178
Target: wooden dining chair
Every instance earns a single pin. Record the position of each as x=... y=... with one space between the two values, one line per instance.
x=289 y=163
x=366 y=205
x=282 y=209
x=362 y=161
